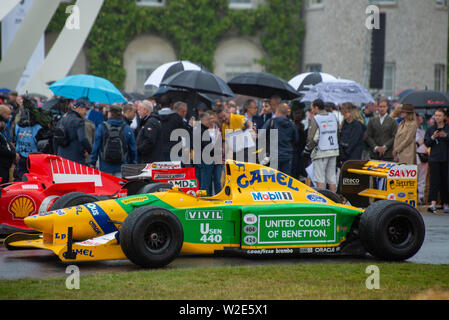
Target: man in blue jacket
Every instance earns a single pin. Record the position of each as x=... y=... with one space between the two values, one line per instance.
x=114 y=143
x=287 y=136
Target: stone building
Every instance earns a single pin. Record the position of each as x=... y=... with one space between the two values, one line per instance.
x=336 y=41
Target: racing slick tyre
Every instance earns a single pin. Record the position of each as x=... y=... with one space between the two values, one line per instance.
x=155 y=187
x=391 y=230
x=329 y=194
x=74 y=199
x=151 y=237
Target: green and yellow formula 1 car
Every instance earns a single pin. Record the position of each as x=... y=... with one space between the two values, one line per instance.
x=259 y=212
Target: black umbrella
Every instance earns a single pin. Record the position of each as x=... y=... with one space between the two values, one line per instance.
x=58 y=104
x=426 y=99
x=200 y=81
x=190 y=97
x=262 y=85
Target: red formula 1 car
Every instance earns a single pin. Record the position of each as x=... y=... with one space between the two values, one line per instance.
x=54 y=182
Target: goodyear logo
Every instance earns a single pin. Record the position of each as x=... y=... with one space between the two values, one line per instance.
x=22 y=206
x=134 y=199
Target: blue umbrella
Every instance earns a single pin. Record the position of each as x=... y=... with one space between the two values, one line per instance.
x=338 y=92
x=96 y=89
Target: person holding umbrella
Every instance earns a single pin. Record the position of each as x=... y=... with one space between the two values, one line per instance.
x=404 y=146
x=437 y=139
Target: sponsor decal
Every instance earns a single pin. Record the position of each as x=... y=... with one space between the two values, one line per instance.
x=204 y=215
x=94 y=227
x=169 y=176
x=163 y=165
x=60 y=212
x=250 y=229
x=21 y=207
x=326 y=250
x=405 y=184
x=391 y=196
x=401 y=195
x=134 y=199
x=101 y=218
x=305 y=250
x=191 y=183
x=316 y=198
x=270 y=251
x=30 y=186
x=351 y=182
x=250 y=218
x=272 y=196
x=81 y=252
x=264 y=175
x=403 y=172
x=297 y=228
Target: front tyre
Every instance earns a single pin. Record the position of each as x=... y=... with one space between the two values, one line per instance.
x=391 y=230
x=151 y=237
x=75 y=199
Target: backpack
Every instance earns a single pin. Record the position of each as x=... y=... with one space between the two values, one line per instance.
x=60 y=135
x=114 y=149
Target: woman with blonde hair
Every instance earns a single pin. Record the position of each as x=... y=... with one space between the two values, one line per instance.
x=404 y=147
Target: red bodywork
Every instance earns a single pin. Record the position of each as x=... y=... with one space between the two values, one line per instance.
x=50 y=177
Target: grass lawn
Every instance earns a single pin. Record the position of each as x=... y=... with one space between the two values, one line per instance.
x=286 y=282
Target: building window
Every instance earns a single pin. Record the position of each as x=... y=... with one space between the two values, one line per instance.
x=313 y=4
x=389 y=79
x=314 y=67
x=241 y=4
x=233 y=69
x=143 y=71
x=154 y=3
x=440 y=76
x=441 y=3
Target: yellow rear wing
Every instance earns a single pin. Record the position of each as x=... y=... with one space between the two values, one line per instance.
x=362 y=181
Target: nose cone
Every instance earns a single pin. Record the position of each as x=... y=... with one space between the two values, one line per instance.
x=43 y=223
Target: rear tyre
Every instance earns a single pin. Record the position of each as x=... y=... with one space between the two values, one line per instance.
x=329 y=194
x=75 y=199
x=391 y=230
x=151 y=237
x=155 y=187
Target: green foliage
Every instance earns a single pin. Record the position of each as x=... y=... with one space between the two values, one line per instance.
x=194 y=27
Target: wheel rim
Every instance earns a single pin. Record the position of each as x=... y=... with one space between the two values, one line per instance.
x=400 y=232
x=157 y=237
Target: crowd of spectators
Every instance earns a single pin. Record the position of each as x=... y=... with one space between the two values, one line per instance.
x=142 y=132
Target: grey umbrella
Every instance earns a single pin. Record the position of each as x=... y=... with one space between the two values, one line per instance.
x=338 y=92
